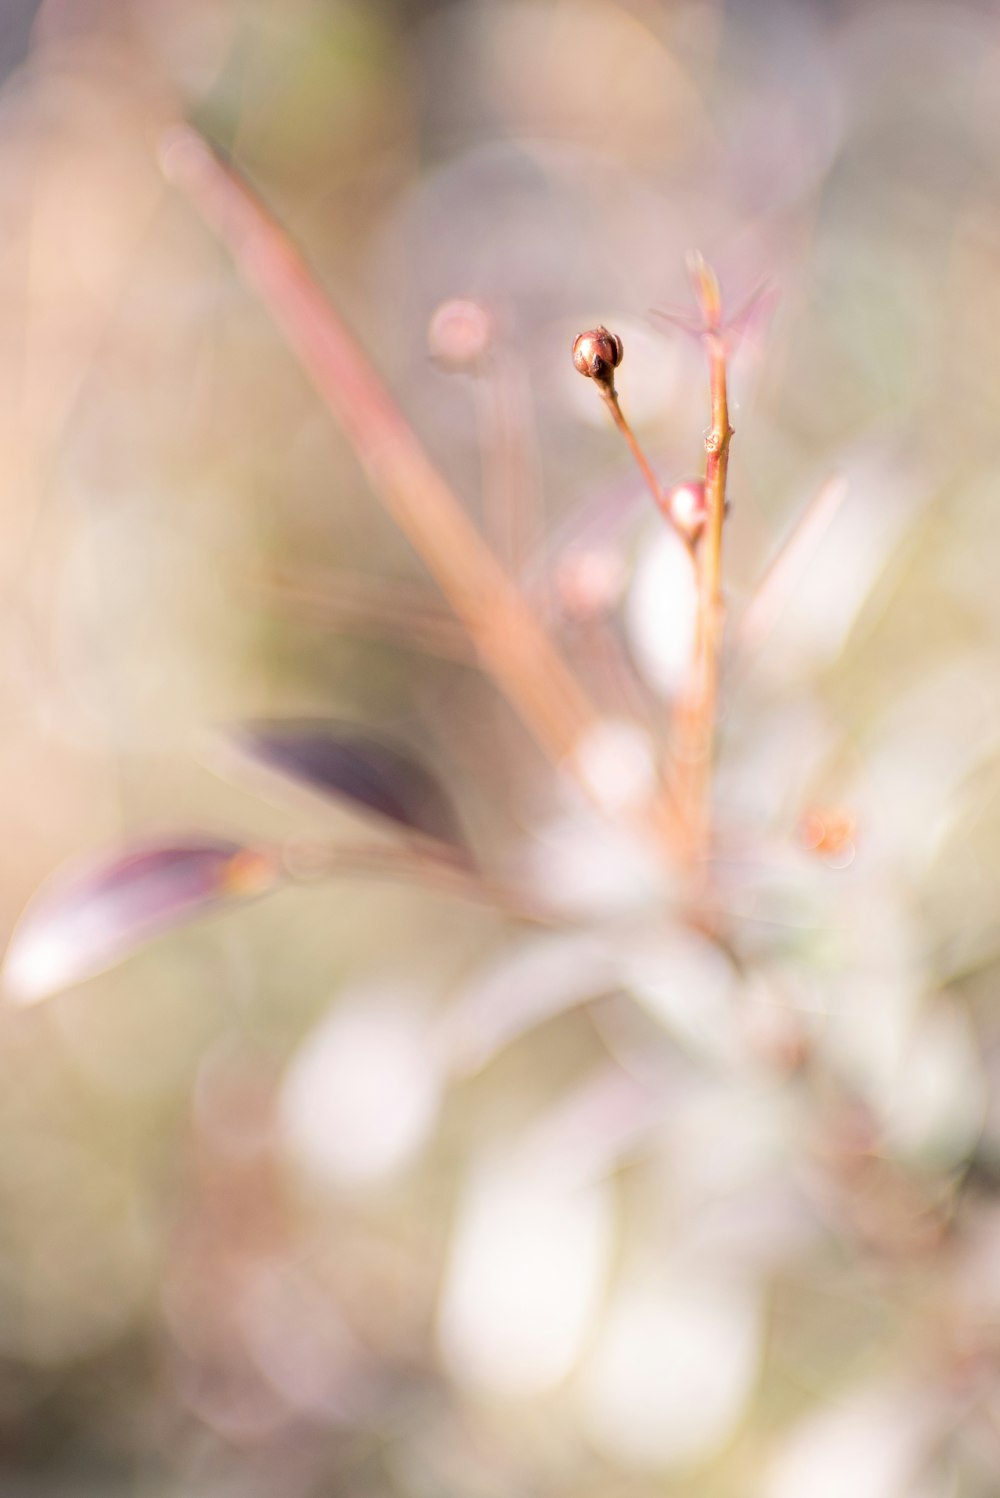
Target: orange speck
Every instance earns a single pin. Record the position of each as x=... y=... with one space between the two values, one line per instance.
x=250 y=872
x=831 y=832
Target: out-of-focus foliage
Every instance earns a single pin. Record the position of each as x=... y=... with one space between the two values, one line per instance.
x=366 y=1189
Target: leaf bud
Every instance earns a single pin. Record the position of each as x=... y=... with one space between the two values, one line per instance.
x=687 y=507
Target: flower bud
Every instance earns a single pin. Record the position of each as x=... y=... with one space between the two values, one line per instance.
x=687 y=507
x=597 y=355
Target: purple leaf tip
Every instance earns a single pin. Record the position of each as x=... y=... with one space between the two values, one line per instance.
x=89 y=917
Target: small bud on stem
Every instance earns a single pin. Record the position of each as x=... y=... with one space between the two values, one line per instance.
x=597 y=355
x=686 y=506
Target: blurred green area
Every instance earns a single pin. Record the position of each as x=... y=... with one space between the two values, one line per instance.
x=259 y=1233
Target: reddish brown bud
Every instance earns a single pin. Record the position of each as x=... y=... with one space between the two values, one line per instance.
x=597 y=354
x=687 y=507
x=460 y=333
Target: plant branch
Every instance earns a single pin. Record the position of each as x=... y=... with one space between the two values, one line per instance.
x=642 y=462
x=614 y=406
x=356 y=605
x=596 y=355
x=307 y=862
x=511 y=501
x=698 y=712
x=510 y=642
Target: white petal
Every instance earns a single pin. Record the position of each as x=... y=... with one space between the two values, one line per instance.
x=869 y=1447
x=868 y=1030
x=530 y=982
x=615 y=761
x=587 y=867
x=688 y=984
x=359 y=1099
x=528 y=1262
x=660 y=611
x=673 y=1370
x=936 y=1106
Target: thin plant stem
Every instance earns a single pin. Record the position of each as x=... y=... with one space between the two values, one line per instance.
x=510 y=642
x=511 y=501
x=596 y=354
x=613 y=404
x=698 y=712
x=363 y=607
x=309 y=862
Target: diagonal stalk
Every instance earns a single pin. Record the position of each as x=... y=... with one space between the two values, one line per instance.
x=356 y=605
x=510 y=642
x=611 y=400
x=310 y=862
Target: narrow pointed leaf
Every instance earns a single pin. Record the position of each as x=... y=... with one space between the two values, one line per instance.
x=340 y=761
x=87 y=918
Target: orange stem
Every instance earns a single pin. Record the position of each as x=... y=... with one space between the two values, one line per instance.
x=510 y=642
x=698 y=713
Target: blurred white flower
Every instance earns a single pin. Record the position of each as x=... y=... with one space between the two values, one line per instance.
x=615 y=761
x=871 y=1445
x=361 y=1096
x=660 y=611
x=936 y=1104
x=588 y=867
x=689 y=985
x=528 y=1261
x=868 y=1027
x=672 y=1369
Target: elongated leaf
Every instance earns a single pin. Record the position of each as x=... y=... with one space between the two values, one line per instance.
x=87 y=918
x=339 y=760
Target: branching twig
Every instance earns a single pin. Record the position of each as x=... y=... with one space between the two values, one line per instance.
x=697 y=714
x=597 y=355
x=308 y=861
x=509 y=641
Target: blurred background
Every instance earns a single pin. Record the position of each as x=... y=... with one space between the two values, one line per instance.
x=365 y=1190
